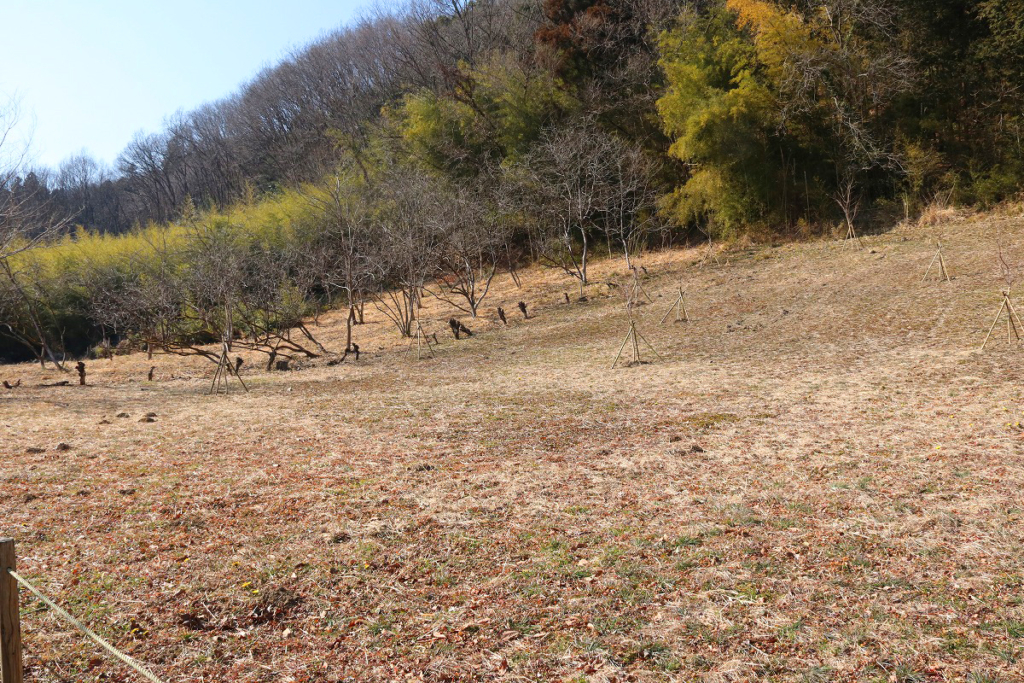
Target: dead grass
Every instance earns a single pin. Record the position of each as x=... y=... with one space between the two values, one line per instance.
x=821 y=482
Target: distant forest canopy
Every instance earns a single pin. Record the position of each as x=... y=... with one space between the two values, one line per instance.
x=450 y=136
x=758 y=111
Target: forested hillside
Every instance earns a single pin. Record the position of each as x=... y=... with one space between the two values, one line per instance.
x=425 y=149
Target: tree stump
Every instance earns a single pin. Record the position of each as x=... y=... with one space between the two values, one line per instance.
x=458 y=328
x=352 y=348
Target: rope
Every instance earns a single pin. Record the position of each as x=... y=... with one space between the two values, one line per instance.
x=133 y=663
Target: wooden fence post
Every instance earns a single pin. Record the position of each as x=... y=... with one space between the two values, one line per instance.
x=10 y=617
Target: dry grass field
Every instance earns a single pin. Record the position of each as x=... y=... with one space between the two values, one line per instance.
x=821 y=481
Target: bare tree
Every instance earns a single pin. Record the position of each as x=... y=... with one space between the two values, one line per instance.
x=272 y=306
x=15 y=207
x=337 y=257
x=26 y=221
x=630 y=198
x=473 y=237
x=139 y=298
x=562 y=178
x=144 y=164
x=405 y=245
x=214 y=287
x=587 y=184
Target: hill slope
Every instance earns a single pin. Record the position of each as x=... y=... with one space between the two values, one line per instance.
x=819 y=481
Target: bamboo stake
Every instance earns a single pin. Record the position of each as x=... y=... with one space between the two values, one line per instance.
x=679 y=306
x=626 y=339
x=929 y=270
x=420 y=338
x=851 y=234
x=943 y=273
x=633 y=335
x=653 y=350
x=223 y=374
x=216 y=375
x=709 y=254
x=1013 y=311
x=1013 y=323
x=234 y=370
x=1010 y=326
x=638 y=288
x=998 y=313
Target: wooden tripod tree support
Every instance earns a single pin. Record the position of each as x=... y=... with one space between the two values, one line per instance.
x=1013 y=324
x=419 y=339
x=851 y=235
x=11 y=670
x=636 y=289
x=633 y=338
x=709 y=255
x=943 y=273
x=679 y=306
x=225 y=369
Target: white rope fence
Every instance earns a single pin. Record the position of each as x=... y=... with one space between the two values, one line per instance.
x=128 y=660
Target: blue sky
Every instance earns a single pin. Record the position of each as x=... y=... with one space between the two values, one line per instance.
x=89 y=73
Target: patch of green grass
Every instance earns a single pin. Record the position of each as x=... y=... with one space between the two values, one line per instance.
x=701 y=663
x=978 y=677
x=958 y=644
x=790 y=631
x=754 y=593
x=685 y=541
x=655 y=652
x=380 y=625
x=523 y=627
x=610 y=557
x=578 y=574
x=765 y=568
x=900 y=673
x=817 y=674
x=783 y=523
x=1009 y=654
x=737 y=515
x=1012 y=628
x=617 y=624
